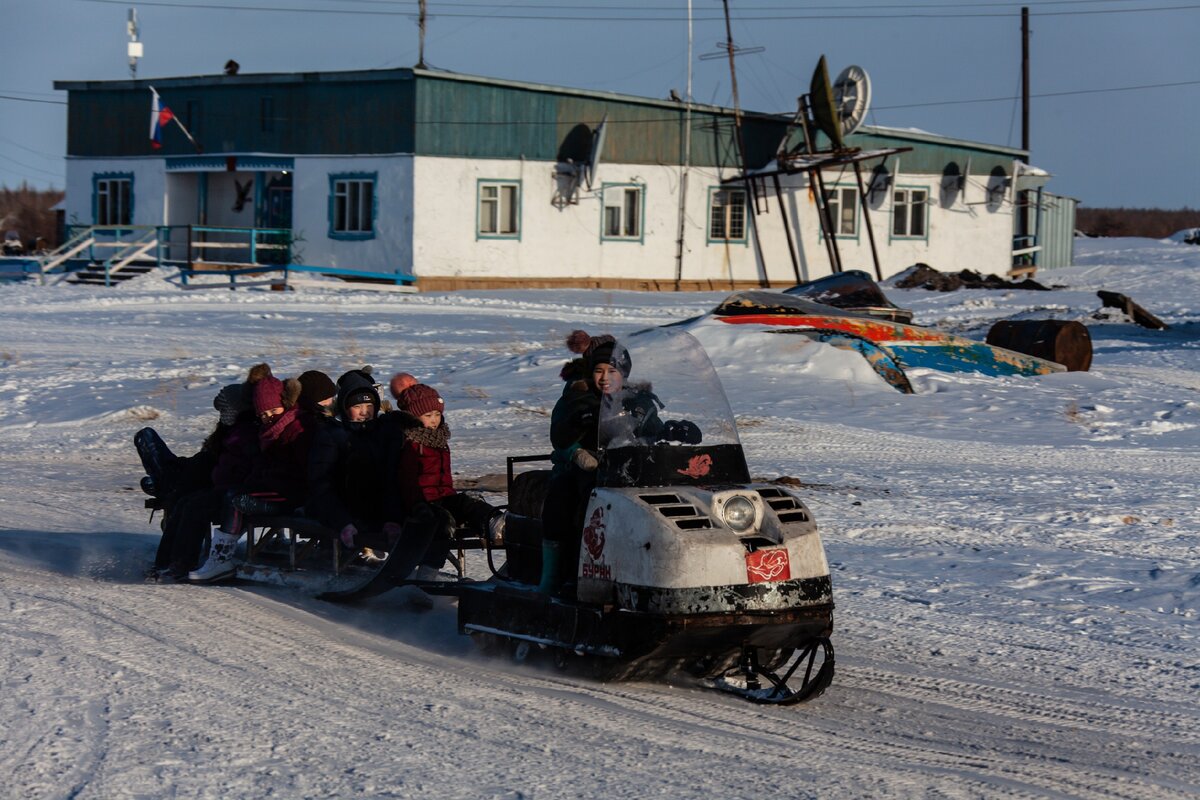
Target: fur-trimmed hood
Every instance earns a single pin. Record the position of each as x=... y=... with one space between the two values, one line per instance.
x=291 y=393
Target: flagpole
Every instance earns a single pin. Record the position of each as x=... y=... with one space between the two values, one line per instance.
x=157 y=108
x=188 y=134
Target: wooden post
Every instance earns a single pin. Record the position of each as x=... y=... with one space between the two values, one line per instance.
x=787 y=228
x=862 y=196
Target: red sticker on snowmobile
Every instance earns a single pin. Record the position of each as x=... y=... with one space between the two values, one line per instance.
x=698 y=466
x=593 y=535
x=763 y=566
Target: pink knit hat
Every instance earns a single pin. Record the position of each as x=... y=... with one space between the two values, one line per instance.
x=421 y=399
x=268 y=394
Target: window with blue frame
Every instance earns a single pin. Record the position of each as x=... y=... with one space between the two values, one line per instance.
x=112 y=199
x=622 y=210
x=910 y=213
x=727 y=215
x=498 y=214
x=352 y=208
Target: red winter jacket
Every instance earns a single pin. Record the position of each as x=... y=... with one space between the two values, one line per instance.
x=424 y=466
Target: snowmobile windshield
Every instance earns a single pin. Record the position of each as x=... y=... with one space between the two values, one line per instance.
x=664 y=418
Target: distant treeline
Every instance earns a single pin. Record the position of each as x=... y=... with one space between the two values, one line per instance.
x=1152 y=223
x=29 y=212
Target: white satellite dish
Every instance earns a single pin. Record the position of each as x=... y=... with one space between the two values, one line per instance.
x=593 y=162
x=852 y=98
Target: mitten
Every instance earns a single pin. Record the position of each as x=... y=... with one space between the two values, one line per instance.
x=585 y=460
x=682 y=430
x=347 y=535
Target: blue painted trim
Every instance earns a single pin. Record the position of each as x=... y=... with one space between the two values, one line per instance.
x=641 y=237
x=250 y=163
x=908 y=187
x=110 y=176
x=357 y=177
x=398 y=276
x=744 y=239
x=479 y=184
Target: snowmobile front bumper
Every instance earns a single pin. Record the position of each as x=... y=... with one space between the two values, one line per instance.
x=637 y=637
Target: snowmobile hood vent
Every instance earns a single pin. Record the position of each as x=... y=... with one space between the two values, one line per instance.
x=682 y=513
x=784 y=505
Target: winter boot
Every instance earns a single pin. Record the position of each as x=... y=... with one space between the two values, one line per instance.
x=157 y=458
x=220 y=564
x=549 y=581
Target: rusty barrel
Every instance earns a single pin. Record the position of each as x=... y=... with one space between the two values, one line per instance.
x=1064 y=341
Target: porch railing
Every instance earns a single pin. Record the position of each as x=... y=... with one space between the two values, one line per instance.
x=197 y=250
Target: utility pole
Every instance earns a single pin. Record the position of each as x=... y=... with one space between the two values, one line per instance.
x=687 y=157
x=421 y=35
x=1025 y=78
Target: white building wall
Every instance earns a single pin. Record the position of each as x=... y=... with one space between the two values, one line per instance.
x=390 y=250
x=564 y=241
x=222 y=196
x=149 y=188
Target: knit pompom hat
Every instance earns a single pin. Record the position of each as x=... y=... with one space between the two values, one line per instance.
x=231 y=401
x=421 y=399
x=315 y=386
x=268 y=394
x=401 y=381
x=601 y=349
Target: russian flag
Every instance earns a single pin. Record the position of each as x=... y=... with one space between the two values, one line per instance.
x=160 y=115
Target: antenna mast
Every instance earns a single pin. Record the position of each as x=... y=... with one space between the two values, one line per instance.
x=737 y=108
x=421 y=34
x=135 y=46
x=687 y=156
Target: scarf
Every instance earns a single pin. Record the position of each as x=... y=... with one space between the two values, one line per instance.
x=438 y=437
x=270 y=434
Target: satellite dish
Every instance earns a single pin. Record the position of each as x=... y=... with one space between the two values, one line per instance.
x=852 y=98
x=593 y=162
x=824 y=111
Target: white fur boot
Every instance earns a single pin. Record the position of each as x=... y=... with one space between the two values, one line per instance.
x=220 y=564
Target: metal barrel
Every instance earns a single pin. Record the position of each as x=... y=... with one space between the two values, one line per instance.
x=1064 y=341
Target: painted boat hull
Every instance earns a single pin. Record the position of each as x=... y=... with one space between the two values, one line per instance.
x=912 y=346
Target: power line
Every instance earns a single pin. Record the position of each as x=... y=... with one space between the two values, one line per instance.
x=33 y=100
x=673 y=17
x=1041 y=94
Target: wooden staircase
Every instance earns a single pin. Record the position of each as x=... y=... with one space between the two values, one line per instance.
x=131 y=259
x=93 y=274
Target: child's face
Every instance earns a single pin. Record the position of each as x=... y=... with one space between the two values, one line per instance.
x=608 y=379
x=270 y=415
x=431 y=419
x=361 y=412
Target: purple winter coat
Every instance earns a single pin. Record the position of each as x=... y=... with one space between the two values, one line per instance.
x=238 y=448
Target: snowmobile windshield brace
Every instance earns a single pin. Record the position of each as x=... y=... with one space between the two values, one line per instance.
x=677 y=429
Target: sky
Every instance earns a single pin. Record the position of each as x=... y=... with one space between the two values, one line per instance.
x=1115 y=84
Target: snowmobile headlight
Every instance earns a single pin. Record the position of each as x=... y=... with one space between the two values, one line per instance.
x=738 y=514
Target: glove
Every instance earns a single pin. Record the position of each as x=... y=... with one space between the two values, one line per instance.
x=347 y=535
x=681 y=430
x=585 y=460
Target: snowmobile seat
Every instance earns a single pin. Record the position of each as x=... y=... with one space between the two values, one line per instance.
x=523 y=522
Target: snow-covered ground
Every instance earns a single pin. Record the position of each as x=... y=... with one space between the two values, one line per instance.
x=1016 y=561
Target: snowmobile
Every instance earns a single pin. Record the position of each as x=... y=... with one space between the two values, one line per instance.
x=686 y=567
